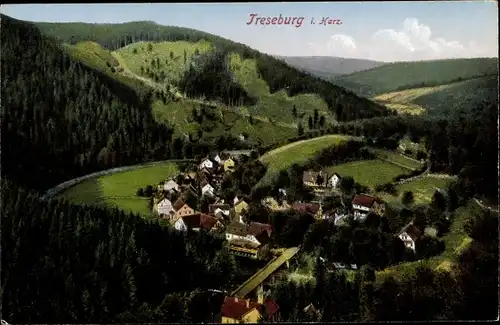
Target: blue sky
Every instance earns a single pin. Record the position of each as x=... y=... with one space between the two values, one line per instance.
x=385 y=31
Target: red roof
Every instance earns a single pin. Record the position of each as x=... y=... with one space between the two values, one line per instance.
x=256 y=228
x=199 y=220
x=311 y=208
x=363 y=200
x=236 y=308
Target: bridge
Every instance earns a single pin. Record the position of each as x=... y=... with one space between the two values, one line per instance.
x=260 y=276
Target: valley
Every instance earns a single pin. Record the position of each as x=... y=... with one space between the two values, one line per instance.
x=155 y=173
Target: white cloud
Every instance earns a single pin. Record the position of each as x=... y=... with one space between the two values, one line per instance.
x=413 y=41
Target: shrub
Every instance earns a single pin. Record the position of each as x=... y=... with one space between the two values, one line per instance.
x=140 y=192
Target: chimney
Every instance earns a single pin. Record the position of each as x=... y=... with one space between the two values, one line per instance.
x=236 y=299
x=248 y=303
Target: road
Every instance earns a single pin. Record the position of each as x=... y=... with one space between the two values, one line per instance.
x=485 y=206
x=255 y=280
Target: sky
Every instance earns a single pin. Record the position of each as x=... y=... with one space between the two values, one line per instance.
x=381 y=31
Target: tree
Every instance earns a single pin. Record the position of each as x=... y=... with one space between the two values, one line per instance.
x=310 y=122
x=438 y=201
x=294 y=111
x=140 y=192
x=346 y=184
x=171 y=55
x=148 y=191
x=316 y=118
x=428 y=246
x=407 y=198
x=150 y=47
x=300 y=129
x=322 y=121
x=135 y=51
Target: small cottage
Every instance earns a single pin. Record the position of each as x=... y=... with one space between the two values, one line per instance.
x=363 y=203
x=334 y=181
x=239 y=310
x=409 y=235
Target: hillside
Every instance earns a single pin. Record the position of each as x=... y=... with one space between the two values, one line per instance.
x=452 y=98
x=340 y=103
x=406 y=75
x=327 y=67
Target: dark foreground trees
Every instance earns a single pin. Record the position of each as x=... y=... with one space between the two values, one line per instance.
x=64 y=263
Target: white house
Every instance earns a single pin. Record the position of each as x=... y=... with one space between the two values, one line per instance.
x=225 y=212
x=363 y=203
x=235 y=200
x=170 y=185
x=334 y=181
x=409 y=235
x=206 y=163
x=207 y=189
x=217 y=159
x=164 y=207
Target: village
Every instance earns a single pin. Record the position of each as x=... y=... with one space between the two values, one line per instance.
x=253 y=239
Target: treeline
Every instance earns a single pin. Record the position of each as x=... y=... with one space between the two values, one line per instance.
x=209 y=75
x=64 y=263
x=345 y=104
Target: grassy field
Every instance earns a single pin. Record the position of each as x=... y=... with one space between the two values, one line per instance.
x=369 y=172
x=295 y=153
x=423 y=188
x=278 y=105
x=119 y=190
x=404 y=75
x=399 y=159
x=456 y=240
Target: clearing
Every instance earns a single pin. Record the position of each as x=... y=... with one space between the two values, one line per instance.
x=398 y=159
x=119 y=190
x=297 y=152
x=279 y=105
x=423 y=189
x=369 y=172
x=456 y=240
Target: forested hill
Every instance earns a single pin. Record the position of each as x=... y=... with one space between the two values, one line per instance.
x=61 y=119
x=344 y=104
x=406 y=75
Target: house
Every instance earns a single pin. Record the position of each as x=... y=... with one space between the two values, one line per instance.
x=239 y=310
x=409 y=235
x=334 y=181
x=204 y=172
x=311 y=311
x=235 y=200
x=165 y=208
x=206 y=188
x=196 y=222
x=314 y=179
x=206 y=163
x=229 y=165
x=313 y=209
x=363 y=203
x=240 y=206
x=170 y=185
x=255 y=232
x=274 y=205
x=215 y=208
x=184 y=210
x=282 y=192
